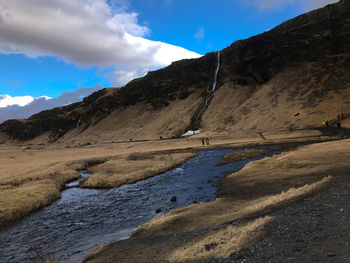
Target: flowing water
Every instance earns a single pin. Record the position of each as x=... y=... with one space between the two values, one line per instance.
x=216 y=71
x=85 y=219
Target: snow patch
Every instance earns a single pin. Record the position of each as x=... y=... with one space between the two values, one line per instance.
x=189 y=133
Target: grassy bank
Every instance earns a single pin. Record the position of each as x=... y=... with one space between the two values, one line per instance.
x=242 y=155
x=132 y=168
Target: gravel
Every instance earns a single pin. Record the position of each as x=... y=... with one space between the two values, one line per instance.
x=316 y=229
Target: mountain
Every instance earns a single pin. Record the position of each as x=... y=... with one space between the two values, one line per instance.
x=293 y=76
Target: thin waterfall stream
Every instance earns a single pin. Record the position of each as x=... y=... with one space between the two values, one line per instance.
x=216 y=71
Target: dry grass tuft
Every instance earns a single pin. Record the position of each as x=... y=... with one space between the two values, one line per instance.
x=285 y=196
x=242 y=155
x=222 y=243
x=139 y=156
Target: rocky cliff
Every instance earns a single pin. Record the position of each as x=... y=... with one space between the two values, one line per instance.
x=295 y=75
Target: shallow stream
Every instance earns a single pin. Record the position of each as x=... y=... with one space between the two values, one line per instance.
x=85 y=219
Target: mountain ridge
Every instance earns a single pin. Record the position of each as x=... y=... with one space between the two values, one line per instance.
x=169 y=101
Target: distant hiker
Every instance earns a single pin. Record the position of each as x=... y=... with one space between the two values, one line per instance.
x=207 y=140
x=338 y=124
x=202 y=140
x=326 y=124
x=161 y=137
x=323 y=124
x=341 y=116
x=291 y=128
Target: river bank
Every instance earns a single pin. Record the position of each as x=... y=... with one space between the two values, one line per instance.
x=34 y=178
x=83 y=219
x=238 y=219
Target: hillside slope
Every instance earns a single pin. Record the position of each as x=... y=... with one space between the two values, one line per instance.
x=295 y=75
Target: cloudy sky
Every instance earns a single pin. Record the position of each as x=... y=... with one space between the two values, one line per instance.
x=54 y=52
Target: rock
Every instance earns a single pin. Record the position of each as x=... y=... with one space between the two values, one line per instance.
x=210 y=246
x=331 y=254
x=173 y=199
x=158 y=210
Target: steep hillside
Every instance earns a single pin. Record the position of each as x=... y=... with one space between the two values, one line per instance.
x=146 y=96
x=296 y=75
x=293 y=76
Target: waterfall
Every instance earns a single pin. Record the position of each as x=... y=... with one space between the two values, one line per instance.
x=216 y=72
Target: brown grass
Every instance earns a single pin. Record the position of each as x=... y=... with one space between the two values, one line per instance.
x=132 y=168
x=221 y=243
x=223 y=210
x=242 y=155
x=139 y=156
x=33 y=178
x=23 y=193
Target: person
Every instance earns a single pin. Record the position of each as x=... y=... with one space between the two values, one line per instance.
x=207 y=140
x=323 y=124
x=338 y=124
x=341 y=116
x=202 y=139
x=326 y=124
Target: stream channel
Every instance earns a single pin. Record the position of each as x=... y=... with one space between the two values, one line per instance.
x=84 y=219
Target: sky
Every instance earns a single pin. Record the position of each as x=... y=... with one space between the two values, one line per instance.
x=55 y=52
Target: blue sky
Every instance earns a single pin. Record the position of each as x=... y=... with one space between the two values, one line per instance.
x=48 y=76
x=222 y=21
x=51 y=47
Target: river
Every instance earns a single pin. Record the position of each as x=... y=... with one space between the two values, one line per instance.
x=84 y=219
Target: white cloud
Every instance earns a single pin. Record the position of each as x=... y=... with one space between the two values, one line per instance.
x=314 y=4
x=7 y=100
x=84 y=32
x=307 y=5
x=24 y=107
x=125 y=74
x=200 y=33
